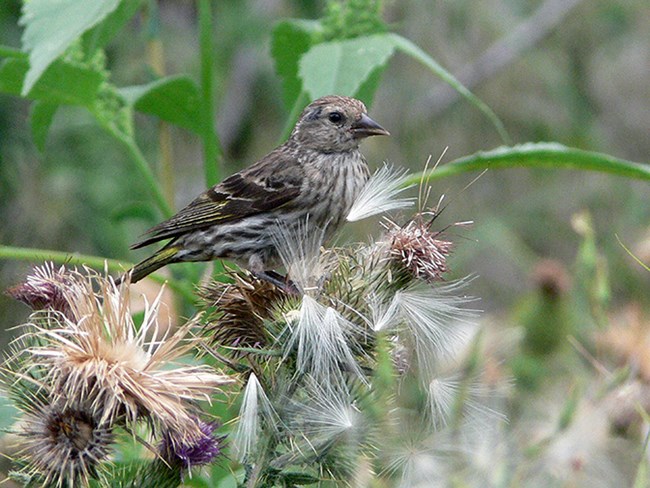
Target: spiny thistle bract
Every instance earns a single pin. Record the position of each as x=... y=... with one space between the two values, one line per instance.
x=373 y=341
x=82 y=369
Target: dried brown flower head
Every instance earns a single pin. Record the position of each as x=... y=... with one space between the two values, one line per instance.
x=44 y=289
x=129 y=372
x=240 y=310
x=419 y=249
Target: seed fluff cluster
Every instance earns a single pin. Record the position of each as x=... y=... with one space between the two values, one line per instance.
x=373 y=345
x=82 y=371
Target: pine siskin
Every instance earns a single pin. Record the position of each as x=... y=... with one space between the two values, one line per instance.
x=315 y=175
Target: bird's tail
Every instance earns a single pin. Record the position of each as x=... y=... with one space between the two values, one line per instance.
x=144 y=268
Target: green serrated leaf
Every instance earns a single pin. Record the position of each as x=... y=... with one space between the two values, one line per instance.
x=175 y=99
x=52 y=26
x=41 y=116
x=291 y=39
x=342 y=67
x=62 y=83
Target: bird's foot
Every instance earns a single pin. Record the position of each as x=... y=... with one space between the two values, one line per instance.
x=276 y=279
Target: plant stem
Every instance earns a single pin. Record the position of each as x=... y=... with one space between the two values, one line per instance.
x=536 y=155
x=147 y=175
x=156 y=59
x=31 y=254
x=96 y=262
x=409 y=48
x=212 y=152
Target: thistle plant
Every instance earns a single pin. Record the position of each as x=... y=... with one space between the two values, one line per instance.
x=82 y=372
x=364 y=342
x=373 y=345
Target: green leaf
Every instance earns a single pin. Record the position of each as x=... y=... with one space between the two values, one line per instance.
x=342 y=67
x=407 y=47
x=41 y=116
x=291 y=39
x=52 y=26
x=366 y=91
x=536 y=155
x=62 y=83
x=102 y=34
x=175 y=99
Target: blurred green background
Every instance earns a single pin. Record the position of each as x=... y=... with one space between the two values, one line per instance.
x=575 y=72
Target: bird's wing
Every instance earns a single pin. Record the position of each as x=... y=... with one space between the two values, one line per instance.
x=256 y=190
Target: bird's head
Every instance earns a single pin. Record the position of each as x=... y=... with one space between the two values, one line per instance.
x=335 y=124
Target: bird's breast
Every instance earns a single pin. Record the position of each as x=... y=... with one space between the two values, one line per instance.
x=333 y=183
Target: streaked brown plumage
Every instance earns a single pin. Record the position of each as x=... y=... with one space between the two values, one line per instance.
x=317 y=173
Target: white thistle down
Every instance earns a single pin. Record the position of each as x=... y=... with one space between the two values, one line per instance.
x=380 y=194
x=300 y=252
x=320 y=337
x=327 y=415
x=442 y=395
x=255 y=405
x=436 y=323
x=382 y=314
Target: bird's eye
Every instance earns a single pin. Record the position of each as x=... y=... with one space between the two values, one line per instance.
x=335 y=117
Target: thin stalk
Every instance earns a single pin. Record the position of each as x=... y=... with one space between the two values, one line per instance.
x=212 y=152
x=156 y=59
x=143 y=168
x=96 y=262
x=536 y=155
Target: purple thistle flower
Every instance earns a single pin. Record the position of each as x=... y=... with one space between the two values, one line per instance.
x=198 y=453
x=44 y=289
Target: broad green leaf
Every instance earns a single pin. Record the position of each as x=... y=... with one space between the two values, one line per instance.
x=62 y=83
x=51 y=26
x=366 y=91
x=102 y=34
x=342 y=67
x=291 y=39
x=407 y=47
x=175 y=99
x=41 y=116
x=536 y=155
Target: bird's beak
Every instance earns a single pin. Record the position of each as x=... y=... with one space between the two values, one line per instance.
x=365 y=127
